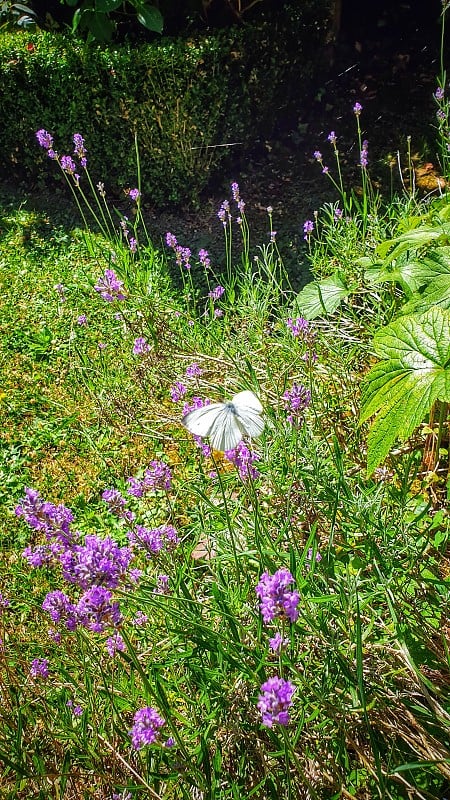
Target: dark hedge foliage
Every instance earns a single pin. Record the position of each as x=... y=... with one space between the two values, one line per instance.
x=181 y=98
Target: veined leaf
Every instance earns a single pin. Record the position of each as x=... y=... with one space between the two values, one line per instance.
x=321 y=297
x=414 y=373
x=150 y=17
x=436 y=294
x=414 y=273
x=411 y=240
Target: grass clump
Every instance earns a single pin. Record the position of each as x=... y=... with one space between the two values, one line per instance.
x=177 y=622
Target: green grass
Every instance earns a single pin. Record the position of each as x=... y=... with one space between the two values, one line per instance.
x=368 y=654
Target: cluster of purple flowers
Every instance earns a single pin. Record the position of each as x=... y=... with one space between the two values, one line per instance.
x=133 y=194
x=276 y=599
x=117 y=504
x=39 y=668
x=182 y=254
x=156 y=476
x=216 y=293
x=153 y=540
x=296 y=401
x=237 y=198
x=204 y=258
x=308 y=228
x=275 y=700
x=140 y=346
x=179 y=389
x=224 y=213
x=243 y=459
x=110 y=287
x=364 y=156
x=146 y=726
x=96 y=610
x=66 y=163
x=97 y=562
x=299 y=327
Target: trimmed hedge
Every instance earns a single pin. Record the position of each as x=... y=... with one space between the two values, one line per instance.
x=181 y=97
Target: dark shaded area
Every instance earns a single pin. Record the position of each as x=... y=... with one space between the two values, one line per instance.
x=386 y=57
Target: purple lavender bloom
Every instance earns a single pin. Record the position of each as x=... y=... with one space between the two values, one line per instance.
x=277 y=642
x=332 y=138
x=243 y=459
x=133 y=244
x=299 y=327
x=338 y=214
x=204 y=259
x=117 y=504
x=53 y=520
x=153 y=540
x=45 y=139
x=235 y=191
x=156 y=476
x=140 y=619
x=216 y=293
x=439 y=93
x=39 y=668
x=193 y=371
x=68 y=165
x=224 y=213
x=310 y=555
x=275 y=701
x=163 y=585
x=364 y=158
x=95 y=610
x=218 y=313
x=61 y=609
x=4 y=602
x=134 y=194
x=275 y=598
x=98 y=562
x=357 y=108
x=82 y=319
x=273 y=235
x=171 y=240
x=308 y=228
x=317 y=155
x=140 y=346
x=115 y=644
x=146 y=725
x=177 y=391
x=38 y=556
x=80 y=150
x=110 y=287
x=296 y=401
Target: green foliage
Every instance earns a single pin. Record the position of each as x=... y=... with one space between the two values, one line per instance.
x=185 y=99
x=402 y=388
x=93 y=17
x=16 y=14
x=320 y=298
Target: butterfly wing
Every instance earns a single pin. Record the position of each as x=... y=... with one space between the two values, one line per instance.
x=226 y=433
x=200 y=421
x=248 y=414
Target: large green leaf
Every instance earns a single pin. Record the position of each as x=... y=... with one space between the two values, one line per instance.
x=319 y=298
x=105 y=6
x=412 y=240
x=414 y=273
x=149 y=16
x=436 y=294
x=414 y=372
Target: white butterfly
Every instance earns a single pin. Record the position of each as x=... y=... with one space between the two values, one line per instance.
x=225 y=424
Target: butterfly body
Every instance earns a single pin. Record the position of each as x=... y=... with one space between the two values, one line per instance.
x=226 y=424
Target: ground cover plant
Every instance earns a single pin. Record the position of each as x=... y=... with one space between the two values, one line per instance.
x=267 y=621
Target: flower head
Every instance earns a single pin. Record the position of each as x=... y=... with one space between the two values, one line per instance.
x=243 y=459
x=308 y=228
x=80 y=150
x=134 y=194
x=45 y=139
x=156 y=476
x=39 y=668
x=276 y=600
x=296 y=400
x=140 y=346
x=357 y=108
x=275 y=700
x=110 y=287
x=146 y=725
x=177 y=391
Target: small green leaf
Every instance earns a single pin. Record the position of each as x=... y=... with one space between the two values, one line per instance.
x=321 y=297
x=436 y=294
